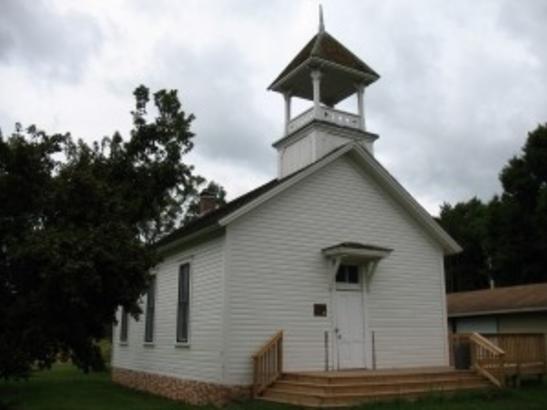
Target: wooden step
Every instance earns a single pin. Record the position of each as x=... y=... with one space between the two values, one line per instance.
x=379 y=386
x=365 y=374
x=371 y=374
x=282 y=395
x=342 y=389
x=349 y=378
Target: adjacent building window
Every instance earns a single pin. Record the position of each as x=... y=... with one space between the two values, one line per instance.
x=124 y=324
x=150 y=307
x=183 y=307
x=348 y=274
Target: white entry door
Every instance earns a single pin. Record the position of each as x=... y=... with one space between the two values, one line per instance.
x=350 y=325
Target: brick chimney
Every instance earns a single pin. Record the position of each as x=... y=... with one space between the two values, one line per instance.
x=207 y=202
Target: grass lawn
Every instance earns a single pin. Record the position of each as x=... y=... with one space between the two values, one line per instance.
x=65 y=388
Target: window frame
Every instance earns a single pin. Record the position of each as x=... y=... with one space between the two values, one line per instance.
x=346 y=284
x=124 y=327
x=183 y=342
x=150 y=312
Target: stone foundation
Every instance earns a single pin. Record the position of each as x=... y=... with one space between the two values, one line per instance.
x=189 y=391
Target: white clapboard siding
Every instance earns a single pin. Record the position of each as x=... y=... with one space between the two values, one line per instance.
x=202 y=359
x=315 y=144
x=276 y=272
x=297 y=155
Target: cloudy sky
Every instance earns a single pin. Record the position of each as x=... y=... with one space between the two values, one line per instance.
x=462 y=82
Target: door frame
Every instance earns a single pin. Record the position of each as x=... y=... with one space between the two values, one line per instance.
x=363 y=289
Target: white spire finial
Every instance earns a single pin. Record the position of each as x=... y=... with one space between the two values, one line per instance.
x=321 y=22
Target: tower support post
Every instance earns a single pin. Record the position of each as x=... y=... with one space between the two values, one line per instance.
x=287 y=96
x=316 y=83
x=361 y=105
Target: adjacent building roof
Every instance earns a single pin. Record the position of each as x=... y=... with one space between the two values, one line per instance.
x=509 y=299
x=243 y=204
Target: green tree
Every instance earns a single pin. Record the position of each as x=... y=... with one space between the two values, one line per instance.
x=467 y=223
x=506 y=239
x=517 y=228
x=76 y=225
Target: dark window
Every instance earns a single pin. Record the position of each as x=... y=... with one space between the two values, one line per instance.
x=348 y=274
x=150 y=307
x=183 y=308
x=124 y=324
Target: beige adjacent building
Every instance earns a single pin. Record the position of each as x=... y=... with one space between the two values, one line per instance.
x=514 y=309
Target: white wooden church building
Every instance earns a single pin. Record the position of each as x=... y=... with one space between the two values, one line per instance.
x=333 y=252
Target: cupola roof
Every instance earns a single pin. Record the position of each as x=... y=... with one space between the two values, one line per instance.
x=341 y=70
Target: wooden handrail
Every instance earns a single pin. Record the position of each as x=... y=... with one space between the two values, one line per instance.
x=520 y=353
x=268 y=363
x=487 y=359
x=272 y=340
x=523 y=349
x=487 y=344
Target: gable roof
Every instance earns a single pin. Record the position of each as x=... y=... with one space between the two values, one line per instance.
x=325 y=47
x=212 y=218
x=379 y=173
x=509 y=299
x=245 y=203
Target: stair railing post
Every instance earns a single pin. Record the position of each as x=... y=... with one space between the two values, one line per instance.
x=280 y=356
x=255 y=376
x=502 y=370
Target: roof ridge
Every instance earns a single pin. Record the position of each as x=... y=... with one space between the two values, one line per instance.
x=517 y=298
x=318 y=37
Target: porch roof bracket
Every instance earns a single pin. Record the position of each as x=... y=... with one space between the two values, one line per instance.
x=336 y=261
x=370 y=269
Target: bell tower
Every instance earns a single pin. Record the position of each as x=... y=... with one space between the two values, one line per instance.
x=326 y=73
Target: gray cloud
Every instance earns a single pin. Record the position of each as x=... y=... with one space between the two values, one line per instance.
x=44 y=41
x=462 y=82
x=215 y=85
x=458 y=94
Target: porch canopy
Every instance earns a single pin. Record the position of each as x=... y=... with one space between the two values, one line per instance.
x=357 y=253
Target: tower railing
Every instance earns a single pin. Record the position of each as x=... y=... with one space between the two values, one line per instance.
x=327 y=114
x=300 y=120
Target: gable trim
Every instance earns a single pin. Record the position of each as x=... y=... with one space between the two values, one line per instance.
x=401 y=195
x=282 y=187
x=386 y=180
